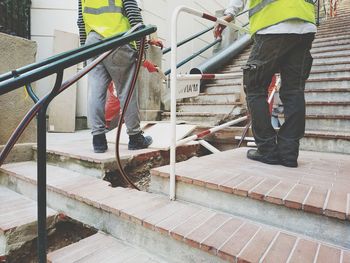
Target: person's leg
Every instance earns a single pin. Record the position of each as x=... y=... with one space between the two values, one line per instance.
x=257 y=75
x=121 y=65
x=98 y=80
x=295 y=70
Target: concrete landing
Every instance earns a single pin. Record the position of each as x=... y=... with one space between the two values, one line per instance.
x=99 y=248
x=74 y=150
x=179 y=232
x=18 y=219
x=313 y=199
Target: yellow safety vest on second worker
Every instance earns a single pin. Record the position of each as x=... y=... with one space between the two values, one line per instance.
x=265 y=13
x=105 y=17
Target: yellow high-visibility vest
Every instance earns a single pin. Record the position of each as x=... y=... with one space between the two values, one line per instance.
x=265 y=13
x=105 y=17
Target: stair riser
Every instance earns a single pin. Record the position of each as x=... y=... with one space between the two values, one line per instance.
x=330 y=48
x=132 y=233
x=218 y=109
x=312 y=225
x=226 y=98
x=330 y=67
x=211 y=121
x=329 y=110
x=331 y=38
x=332 y=54
x=332 y=31
x=341 y=74
x=237 y=81
x=327 y=96
x=316 y=46
x=325 y=145
x=337 y=125
x=327 y=84
x=223 y=89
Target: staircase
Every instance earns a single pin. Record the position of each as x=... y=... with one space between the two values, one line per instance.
x=327 y=91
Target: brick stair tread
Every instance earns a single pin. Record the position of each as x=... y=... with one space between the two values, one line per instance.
x=328 y=134
x=323 y=117
x=100 y=248
x=274 y=184
x=17 y=210
x=210 y=103
x=223 y=235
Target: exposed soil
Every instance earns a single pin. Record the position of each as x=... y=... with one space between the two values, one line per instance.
x=65 y=232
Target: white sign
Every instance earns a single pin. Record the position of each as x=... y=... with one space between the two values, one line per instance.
x=186 y=88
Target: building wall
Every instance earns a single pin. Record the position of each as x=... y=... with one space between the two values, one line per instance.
x=48 y=15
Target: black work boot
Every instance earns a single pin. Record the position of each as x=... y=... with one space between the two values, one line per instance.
x=264 y=158
x=138 y=141
x=99 y=143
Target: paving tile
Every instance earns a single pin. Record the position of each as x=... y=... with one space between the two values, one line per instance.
x=278 y=193
x=297 y=196
x=305 y=252
x=176 y=219
x=346 y=257
x=262 y=189
x=162 y=213
x=328 y=254
x=217 y=239
x=256 y=248
x=315 y=201
x=243 y=188
x=231 y=247
x=281 y=249
x=196 y=237
x=337 y=205
x=186 y=228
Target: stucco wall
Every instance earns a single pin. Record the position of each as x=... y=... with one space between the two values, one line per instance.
x=15 y=52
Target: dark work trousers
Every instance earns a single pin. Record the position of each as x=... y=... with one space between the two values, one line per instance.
x=288 y=54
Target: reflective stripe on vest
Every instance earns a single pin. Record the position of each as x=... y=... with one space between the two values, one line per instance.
x=259 y=7
x=111 y=8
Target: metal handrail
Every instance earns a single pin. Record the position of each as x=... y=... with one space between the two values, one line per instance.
x=54 y=65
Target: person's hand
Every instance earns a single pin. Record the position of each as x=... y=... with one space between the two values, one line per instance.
x=156 y=42
x=219 y=28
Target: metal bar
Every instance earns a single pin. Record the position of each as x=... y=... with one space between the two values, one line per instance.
x=208 y=146
x=31 y=93
x=183 y=62
x=188 y=39
x=34 y=72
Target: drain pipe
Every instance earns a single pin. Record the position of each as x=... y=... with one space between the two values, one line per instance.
x=223 y=57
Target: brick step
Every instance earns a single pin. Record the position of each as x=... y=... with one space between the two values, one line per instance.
x=155 y=224
x=334 y=25
x=216 y=108
x=18 y=220
x=341 y=53
x=333 y=73
x=330 y=34
x=100 y=248
x=301 y=200
x=330 y=48
x=333 y=31
x=318 y=67
x=326 y=122
x=331 y=43
x=327 y=83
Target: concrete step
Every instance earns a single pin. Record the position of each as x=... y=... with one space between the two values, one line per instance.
x=224 y=82
x=18 y=220
x=337 y=37
x=338 y=33
x=331 y=43
x=333 y=31
x=219 y=98
x=327 y=83
x=333 y=73
x=326 y=122
x=216 y=108
x=326 y=141
x=173 y=230
x=328 y=107
x=222 y=89
x=324 y=95
x=317 y=67
x=339 y=53
x=101 y=248
x=336 y=47
x=308 y=200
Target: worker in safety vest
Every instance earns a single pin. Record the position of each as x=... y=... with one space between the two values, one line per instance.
x=99 y=19
x=283 y=31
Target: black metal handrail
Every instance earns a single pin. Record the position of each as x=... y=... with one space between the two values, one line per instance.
x=54 y=65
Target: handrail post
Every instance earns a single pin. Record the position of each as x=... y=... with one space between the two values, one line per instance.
x=41 y=166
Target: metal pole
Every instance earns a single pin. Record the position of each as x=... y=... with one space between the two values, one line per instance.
x=318 y=13
x=41 y=166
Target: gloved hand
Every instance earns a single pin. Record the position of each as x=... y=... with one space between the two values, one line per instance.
x=219 y=28
x=156 y=42
x=153 y=68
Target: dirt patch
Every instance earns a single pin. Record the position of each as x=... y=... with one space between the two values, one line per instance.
x=67 y=231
